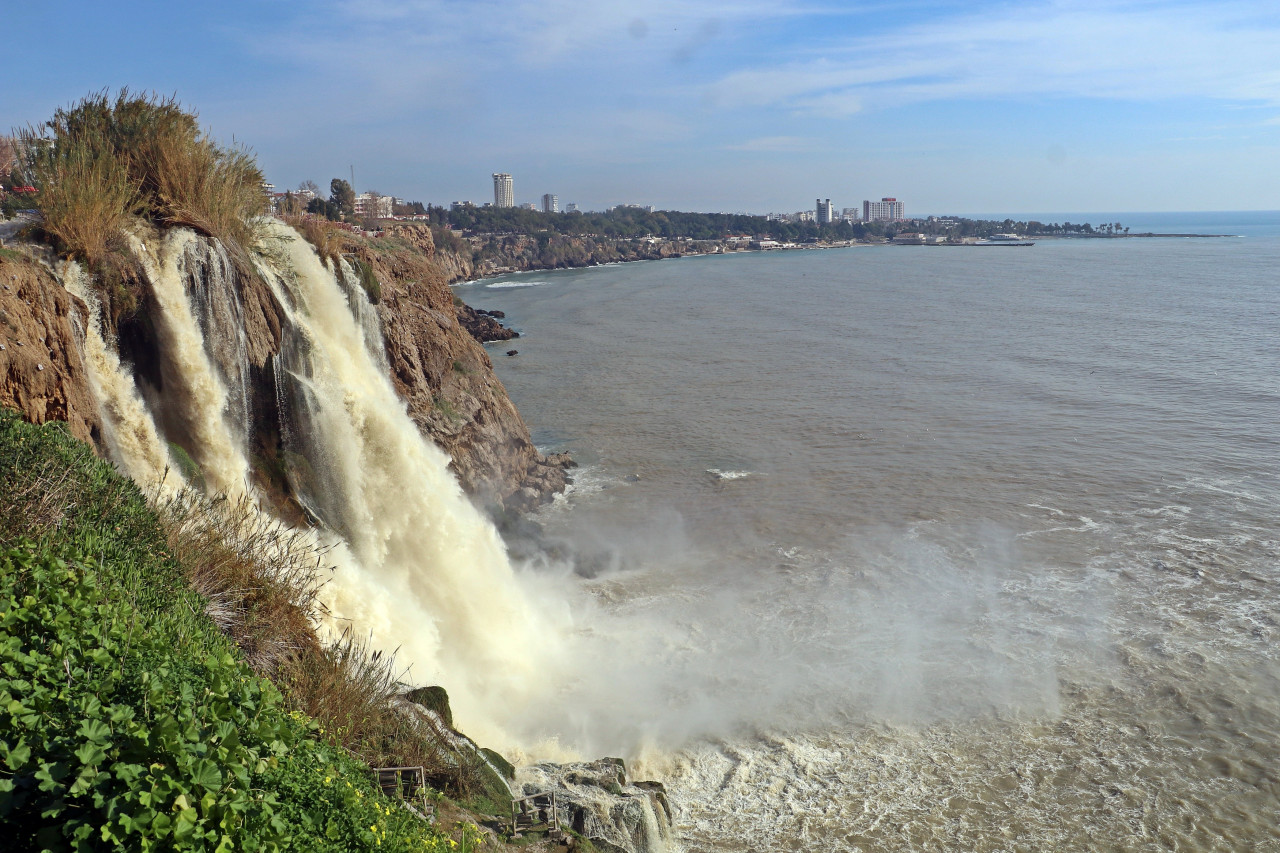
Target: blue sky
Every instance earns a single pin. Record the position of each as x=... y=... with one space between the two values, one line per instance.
x=739 y=105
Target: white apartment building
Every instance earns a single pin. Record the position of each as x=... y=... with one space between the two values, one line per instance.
x=504 y=194
x=884 y=210
x=373 y=205
x=823 y=215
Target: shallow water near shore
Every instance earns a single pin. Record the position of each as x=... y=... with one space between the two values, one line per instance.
x=911 y=548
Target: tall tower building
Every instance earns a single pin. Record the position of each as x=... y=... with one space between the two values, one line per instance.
x=824 y=216
x=504 y=194
x=550 y=203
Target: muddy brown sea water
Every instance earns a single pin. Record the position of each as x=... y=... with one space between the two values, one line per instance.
x=939 y=548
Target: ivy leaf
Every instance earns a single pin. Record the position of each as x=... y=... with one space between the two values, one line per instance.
x=18 y=755
x=206 y=774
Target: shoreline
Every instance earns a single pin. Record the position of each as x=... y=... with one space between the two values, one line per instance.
x=725 y=248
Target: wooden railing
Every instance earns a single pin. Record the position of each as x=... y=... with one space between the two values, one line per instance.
x=536 y=813
x=407 y=784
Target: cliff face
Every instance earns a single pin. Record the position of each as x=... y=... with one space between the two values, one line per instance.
x=447 y=378
x=41 y=371
x=476 y=257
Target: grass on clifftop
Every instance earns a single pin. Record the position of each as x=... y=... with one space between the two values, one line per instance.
x=127 y=719
x=107 y=163
x=104 y=159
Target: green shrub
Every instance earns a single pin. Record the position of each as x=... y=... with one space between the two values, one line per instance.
x=368 y=280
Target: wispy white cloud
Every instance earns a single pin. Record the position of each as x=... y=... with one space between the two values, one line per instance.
x=1117 y=50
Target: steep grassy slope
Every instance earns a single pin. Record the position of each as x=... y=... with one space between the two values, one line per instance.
x=127 y=720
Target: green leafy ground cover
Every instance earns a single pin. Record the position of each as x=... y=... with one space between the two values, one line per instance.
x=127 y=721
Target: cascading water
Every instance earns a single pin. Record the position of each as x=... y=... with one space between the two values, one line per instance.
x=195 y=395
x=130 y=432
x=417 y=566
x=428 y=572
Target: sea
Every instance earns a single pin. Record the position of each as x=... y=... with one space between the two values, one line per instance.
x=925 y=548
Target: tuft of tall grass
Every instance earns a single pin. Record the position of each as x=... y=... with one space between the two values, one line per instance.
x=261 y=580
x=259 y=577
x=105 y=159
x=87 y=196
x=326 y=237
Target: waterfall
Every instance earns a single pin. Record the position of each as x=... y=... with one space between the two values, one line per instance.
x=195 y=396
x=128 y=428
x=428 y=573
x=418 y=567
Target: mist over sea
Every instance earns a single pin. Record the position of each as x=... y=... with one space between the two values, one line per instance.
x=915 y=548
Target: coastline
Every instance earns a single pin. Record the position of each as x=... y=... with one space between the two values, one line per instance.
x=463 y=273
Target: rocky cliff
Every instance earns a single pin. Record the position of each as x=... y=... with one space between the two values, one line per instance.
x=464 y=259
x=437 y=367
x=42 y=374
x=446 y=376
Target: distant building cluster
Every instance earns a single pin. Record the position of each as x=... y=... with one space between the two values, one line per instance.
x=504 y=196
x=824 y=212
x=372 y=205
x=884 y=210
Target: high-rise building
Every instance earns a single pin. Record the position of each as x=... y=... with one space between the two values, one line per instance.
x=550 y=203
x=504 y=194
x=884 y=210
x=571 y=207
x=824 y=216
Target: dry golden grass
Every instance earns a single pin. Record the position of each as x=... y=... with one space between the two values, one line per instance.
x=259 y=577
x=326 y=237
x=86 y=195
x=105 y=159
x=261 y=581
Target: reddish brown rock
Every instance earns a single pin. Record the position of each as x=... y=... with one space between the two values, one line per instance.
x=41 y=371
x=482 y=326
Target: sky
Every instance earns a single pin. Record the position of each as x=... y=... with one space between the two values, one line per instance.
x=709 y=105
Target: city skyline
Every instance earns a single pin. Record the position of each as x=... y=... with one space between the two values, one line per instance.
x=747 y=105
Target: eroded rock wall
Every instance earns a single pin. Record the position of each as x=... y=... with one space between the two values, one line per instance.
x=477 y=257
x=42 y=374
x=442 y=373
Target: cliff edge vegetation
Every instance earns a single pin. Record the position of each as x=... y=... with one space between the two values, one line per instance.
x=128 y=720
x=111 y=170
